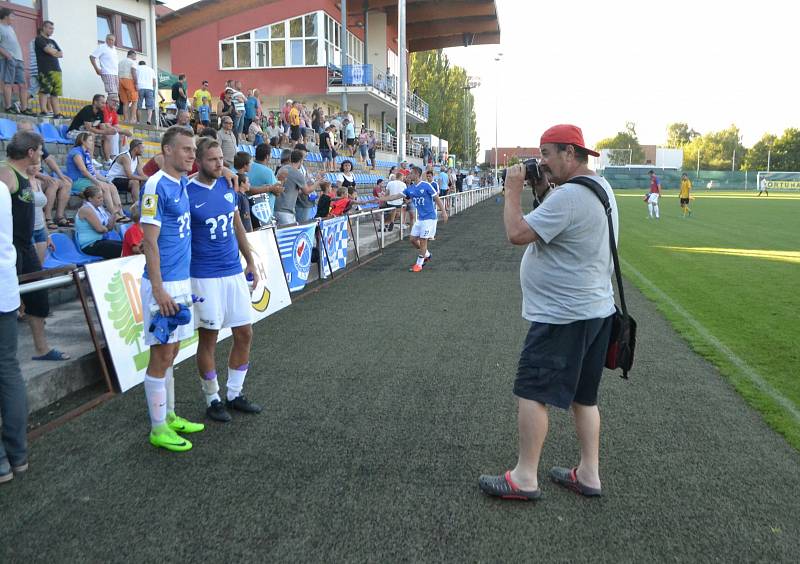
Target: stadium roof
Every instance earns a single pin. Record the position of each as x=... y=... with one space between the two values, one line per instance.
x=430 y=24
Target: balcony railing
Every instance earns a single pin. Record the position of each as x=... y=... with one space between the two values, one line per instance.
x=363 y=75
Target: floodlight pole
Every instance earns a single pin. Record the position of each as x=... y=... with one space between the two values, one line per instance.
x=769 y=154
x=401 y=79
x=343 y=47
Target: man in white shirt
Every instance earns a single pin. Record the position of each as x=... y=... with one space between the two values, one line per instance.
x=394 y=186
x=13 y=402
x=147 y=86
x=108 y=67
x=469 y=181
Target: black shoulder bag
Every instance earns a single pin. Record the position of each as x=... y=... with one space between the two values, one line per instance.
x=623 y=330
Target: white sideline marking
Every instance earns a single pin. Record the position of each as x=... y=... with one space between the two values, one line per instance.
x=751 y=374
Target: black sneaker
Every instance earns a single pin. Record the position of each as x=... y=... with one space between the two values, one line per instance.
x=217 y=412
x=240 y=403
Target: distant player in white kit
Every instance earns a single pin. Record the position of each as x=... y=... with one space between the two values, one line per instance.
x=763 y=187
x=423 y=196
x=653 y=196
x=217 y=276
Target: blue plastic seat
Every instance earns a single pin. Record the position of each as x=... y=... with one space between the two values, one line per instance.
x=369 y=206
x=67 y=251
x=123 y=227
x=51 y=134
x=8 y=128
x=114 y=235
x=62 y=129
x=275 y=153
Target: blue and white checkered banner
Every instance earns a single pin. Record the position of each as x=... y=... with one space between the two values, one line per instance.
x=334 y=236
x=356 y=75
x=296 y=244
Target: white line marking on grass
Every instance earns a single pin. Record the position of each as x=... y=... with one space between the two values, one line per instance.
x=704 y=333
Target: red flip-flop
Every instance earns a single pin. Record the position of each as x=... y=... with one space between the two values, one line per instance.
x=504 y=487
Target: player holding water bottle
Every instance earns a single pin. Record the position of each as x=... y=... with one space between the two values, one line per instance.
x=216 y=274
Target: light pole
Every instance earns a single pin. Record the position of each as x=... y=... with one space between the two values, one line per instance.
x=472 y=82
x=496 y=103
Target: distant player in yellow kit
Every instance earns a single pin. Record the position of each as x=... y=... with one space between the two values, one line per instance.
x=684 y=195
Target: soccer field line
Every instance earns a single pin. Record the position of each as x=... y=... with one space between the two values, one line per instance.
x=704 y=196
x=705 y=334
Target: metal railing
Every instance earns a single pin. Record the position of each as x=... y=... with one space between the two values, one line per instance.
x=363 y=75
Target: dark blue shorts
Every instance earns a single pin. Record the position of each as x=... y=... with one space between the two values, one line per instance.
x=562 y=364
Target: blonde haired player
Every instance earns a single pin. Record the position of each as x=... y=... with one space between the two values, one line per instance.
x=685 y=195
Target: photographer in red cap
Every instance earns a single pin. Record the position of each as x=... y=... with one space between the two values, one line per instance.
x=568 y=298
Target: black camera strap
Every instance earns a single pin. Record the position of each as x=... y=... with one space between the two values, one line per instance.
x=601 y=194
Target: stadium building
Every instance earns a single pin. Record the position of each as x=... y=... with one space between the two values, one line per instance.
x=296 y=48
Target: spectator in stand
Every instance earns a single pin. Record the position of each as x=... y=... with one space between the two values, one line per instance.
x=108 y=67
x=350 y=136
x=90 y=119
x=24 y=151
x=255 y=135
x=394 y=186
x=324 y=201
x=346 y=178
x=204 y=112
x=128 y=93
x=469 y=181
x=242 y=188
x=41 y=236
x=184 y=120
x=228 y=86
x=295 y=134
x=372 y=147
x=179 y=92
x=225 y=106
x=294 y=184
x=250 y=109
x=227 y=141
x=12 y=67
x=132 y=241
x=238 y=100
x=326 y=147
x=116 y=135
x=93 y=223
x=126 y=170
x=47 y=54
x=274 y=132
x=13 y=398
x=285 y=110
x=403 y=171
x=147 y=86
x=363 y=146
x=317 y=122
x=459 y=182
x=304 y=208
x=81 y=171
x=262 y=179
x=56 y=189
x=33 y=78
x=200 y=94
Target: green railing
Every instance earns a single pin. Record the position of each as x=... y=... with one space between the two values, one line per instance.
x=637 y=178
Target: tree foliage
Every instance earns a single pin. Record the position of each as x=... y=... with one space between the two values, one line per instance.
x=716 y=150
x=441 y=85
x=679 y=134
x=623 y=140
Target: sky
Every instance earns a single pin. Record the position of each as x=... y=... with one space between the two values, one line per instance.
x=598 y=65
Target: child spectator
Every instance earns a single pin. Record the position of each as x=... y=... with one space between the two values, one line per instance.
x=132 y=241
x=324 y=203
x=204 y=112
x=244 y=203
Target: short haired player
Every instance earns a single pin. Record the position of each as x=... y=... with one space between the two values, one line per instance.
x=218 y=236
x=165 y=286
x=423 y=196
x=653 y=196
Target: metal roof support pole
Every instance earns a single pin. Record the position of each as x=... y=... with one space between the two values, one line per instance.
x=401 y=81
x=343 y=47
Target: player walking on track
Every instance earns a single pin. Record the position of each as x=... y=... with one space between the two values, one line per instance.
x=217 y=276
x=423 y=196
x=165 y=284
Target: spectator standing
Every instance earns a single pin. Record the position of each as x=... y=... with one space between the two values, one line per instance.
x=250 y=109
x=128 y=92
x=204 y=112
x=200 y=94
x=294 y=183
x=12 y=67
x=285 y=110
x=179 y=92
x=147 y=86
x=108 y=67
x=326 y=147
x=262 y=179
x=238 y=100
x=469 y=181
x=24 y=151
x=126 y=170
x=93 y=223
x=396 y=187
x=372 y=146
x=41 y=237
x=13 y=399
x=225 y=106
x=350 y=136
x=363 y=146
x=227 y=141
x=47 y=54
x=295 y=135
x=33 y=77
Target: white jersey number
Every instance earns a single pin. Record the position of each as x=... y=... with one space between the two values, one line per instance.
x=226 y=222
x=185 y=221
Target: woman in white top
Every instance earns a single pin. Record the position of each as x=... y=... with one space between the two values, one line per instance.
x=346 y=178
x=41 y=236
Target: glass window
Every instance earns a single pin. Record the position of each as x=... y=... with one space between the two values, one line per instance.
x=243 y=37
x=277 y=55
x=278 y=30
x=296 y=27
x=311 y=51
x=242 y=54
x=262 y=54
x=130 y=34
x=297 y=53
x=311 y=25
x=227 y=55
x=261 y=33
x=336 y=37
x=103 y=27
x=327 y=28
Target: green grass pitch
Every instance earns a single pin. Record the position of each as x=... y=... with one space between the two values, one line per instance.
x=733 y=267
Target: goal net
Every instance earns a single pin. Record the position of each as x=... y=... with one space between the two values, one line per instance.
x=615 y=157
x=778 y=181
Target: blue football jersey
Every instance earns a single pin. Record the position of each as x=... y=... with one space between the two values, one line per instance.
x=164 y=203
x=215 y=251
x=422 y=195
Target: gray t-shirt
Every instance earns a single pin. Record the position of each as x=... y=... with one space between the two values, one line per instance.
x=295 y=182
x=9 y=42
x=566 y=275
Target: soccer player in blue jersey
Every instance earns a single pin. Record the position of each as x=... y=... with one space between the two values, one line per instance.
x=217 y=275
x=423 y=196
x=166 y=223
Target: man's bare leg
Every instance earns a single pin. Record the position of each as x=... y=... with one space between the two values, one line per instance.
x=532 y=423
x=587 y=427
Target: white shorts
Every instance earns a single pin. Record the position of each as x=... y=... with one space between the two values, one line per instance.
x=424 y=229
x=177 y=289
x=652 y=198
x=226 y=302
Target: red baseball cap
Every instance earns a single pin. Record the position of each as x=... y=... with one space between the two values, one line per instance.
x=565 y=133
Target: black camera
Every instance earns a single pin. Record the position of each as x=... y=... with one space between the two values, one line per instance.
x=532 y=172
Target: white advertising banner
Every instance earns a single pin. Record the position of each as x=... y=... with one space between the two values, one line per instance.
x=115 y=287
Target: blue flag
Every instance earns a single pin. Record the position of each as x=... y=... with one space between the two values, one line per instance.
x=295 y=244
x=334 y=235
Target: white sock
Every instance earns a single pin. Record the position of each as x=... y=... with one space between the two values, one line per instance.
x=655 y=206
x=420 y=260
x=169 y=381
x=156 y=393
x=210 y=387
x=427 y=253
x=236 y=381
x=650 y=209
